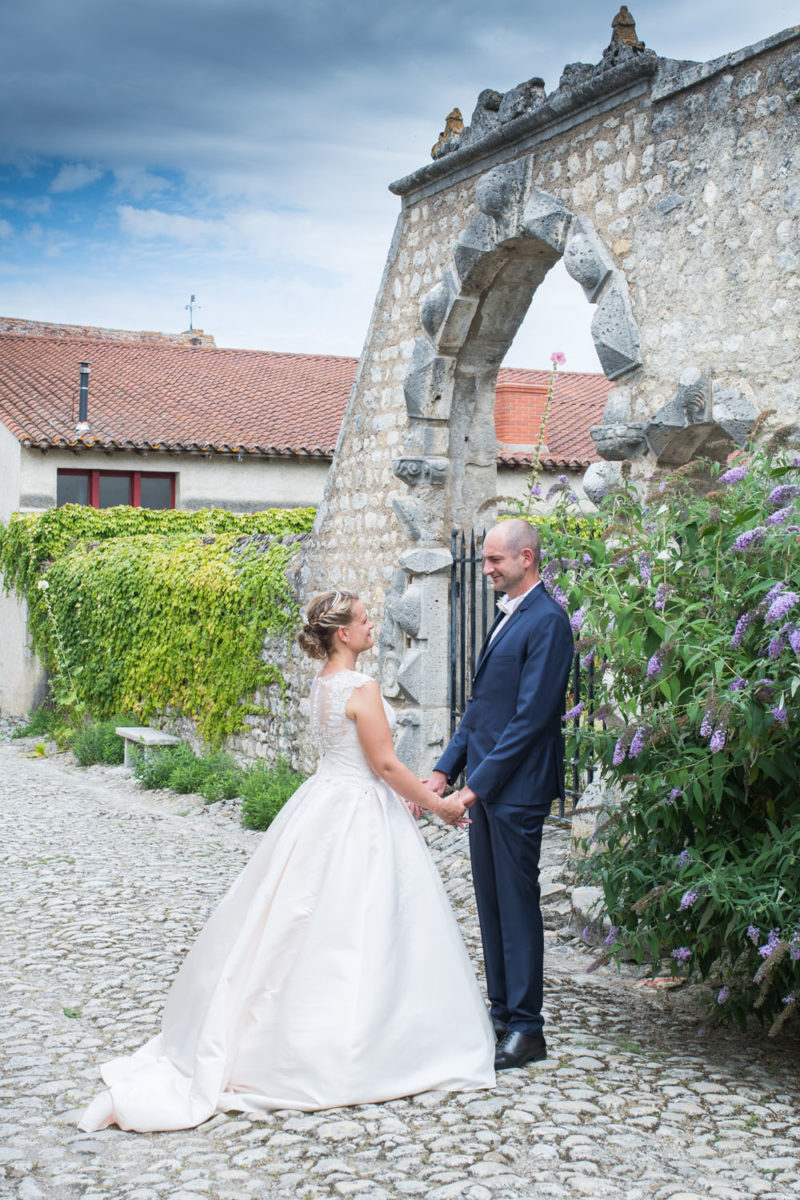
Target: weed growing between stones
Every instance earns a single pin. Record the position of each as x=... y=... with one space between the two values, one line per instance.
x=264 y=790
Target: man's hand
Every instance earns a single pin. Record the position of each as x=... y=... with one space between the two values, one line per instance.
x=467 y=797
x=437 y=782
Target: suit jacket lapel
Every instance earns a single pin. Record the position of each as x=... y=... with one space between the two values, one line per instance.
x=490 y=644
x=487 y=639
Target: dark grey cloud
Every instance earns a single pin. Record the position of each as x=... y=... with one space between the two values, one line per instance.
x=224 y=85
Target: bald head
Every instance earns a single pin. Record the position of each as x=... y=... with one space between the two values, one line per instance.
x=511 y=552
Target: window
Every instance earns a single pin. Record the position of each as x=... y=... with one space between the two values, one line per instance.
x=105 y=489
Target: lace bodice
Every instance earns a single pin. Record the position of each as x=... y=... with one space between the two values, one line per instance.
x=334 y=733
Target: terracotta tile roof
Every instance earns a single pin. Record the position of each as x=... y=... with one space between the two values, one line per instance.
x=160 y=393
x=157 y=397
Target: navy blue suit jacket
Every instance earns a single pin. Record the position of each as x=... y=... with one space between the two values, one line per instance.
x=510 y=738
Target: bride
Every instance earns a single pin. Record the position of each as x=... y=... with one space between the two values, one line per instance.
x=332 y=973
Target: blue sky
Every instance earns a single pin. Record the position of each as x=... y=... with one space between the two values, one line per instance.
x=241 y=150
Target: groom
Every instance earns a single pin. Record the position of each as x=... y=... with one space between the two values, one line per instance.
x=510 y=742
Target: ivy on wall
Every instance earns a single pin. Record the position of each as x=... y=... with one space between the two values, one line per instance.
x=143 y=610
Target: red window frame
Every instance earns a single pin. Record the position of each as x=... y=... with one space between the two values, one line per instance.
x=136 y=483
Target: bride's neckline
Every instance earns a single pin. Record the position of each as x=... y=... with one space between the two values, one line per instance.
x=342 y=671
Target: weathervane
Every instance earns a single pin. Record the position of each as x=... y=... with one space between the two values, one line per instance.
x=190 y=307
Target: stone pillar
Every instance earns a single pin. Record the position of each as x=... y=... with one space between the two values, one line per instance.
x=413 y=653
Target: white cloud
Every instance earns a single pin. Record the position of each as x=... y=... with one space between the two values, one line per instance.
x=73 y=176
x=6 y=228
x=150 y=224
x=138 y=183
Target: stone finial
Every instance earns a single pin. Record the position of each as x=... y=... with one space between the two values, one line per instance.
x=453 y=128
x=623 y=29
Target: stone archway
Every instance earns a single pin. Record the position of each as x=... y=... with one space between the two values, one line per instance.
x=469 y=320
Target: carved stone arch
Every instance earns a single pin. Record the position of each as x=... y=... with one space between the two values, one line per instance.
x=469 y=319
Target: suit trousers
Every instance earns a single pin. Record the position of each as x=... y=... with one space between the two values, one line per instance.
x=505 y=843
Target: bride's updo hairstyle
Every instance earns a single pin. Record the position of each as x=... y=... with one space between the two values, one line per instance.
x=324 y=615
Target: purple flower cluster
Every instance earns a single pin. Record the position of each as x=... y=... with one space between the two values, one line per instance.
x=738 y=685
x=663 y=592
x=750 y=538
x=754 y=933
x=723 y=995
x=794 y=946
x=688 y=899
x=684 y=857
x=612 y=933
x=587 y=560
x=620 y=750
x=779 y=715
x=576 y=620
x=742 y=625
x=768 y=948
x=587 y=658
x=674 y=794
x=655 y=664
x=560 y=596
x=794 y=640
x=783 y=492
x=780 y=517
x=535 y=490
x=776 y=645
x=790 y=999
x=707 y=725
x=637 y=743
x=682 y=953
x=645 y=567
x=780 y=607
x=734 y=475
x=575 y=712
x=717 y=742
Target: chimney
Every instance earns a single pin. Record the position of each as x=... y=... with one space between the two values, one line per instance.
x=83 y=425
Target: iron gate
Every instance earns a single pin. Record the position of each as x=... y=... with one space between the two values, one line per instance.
x=472 y=610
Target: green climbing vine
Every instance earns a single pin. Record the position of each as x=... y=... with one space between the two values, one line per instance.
x=143 y=610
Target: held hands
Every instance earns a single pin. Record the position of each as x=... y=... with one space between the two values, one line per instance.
x=452 y=810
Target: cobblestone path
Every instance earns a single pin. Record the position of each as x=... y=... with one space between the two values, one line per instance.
x=103 y=890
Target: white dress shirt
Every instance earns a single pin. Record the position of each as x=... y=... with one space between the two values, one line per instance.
x=509 y=607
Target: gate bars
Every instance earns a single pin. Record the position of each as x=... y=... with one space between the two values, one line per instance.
x=471 y=613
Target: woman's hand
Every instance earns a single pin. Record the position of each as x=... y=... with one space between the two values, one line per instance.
x=451 y=810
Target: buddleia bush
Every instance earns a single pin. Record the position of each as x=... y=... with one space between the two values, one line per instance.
x=687 y=599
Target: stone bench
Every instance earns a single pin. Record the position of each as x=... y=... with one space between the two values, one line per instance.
x=142 y=735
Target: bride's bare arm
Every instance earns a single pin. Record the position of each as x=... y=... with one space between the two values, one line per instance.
x=365 y=707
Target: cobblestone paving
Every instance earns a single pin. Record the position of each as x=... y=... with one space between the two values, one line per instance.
x=103 y=890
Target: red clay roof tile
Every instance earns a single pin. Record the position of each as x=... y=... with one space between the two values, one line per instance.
x=145 y=395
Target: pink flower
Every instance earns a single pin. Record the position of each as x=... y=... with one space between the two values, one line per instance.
x=557 y=358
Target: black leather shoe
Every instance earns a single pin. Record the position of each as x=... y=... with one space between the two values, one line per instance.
x=517 y=1049
x=500 y=1028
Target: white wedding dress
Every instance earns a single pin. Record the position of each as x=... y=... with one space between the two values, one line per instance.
x=332 y=972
